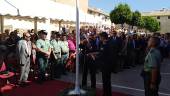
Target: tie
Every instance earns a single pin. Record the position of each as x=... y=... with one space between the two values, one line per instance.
x=28 y=48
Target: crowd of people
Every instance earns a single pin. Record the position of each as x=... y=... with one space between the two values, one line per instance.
x=114 y=52
x=108 y=52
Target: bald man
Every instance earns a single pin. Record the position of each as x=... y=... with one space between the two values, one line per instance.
x=24 y=52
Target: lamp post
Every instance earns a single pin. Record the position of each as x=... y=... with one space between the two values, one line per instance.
x=77 y=90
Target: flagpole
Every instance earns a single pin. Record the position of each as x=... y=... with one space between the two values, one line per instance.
x=77 y=85
x=77 y=90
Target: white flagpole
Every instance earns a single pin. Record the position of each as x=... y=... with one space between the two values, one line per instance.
x=77 y=85
x=77 y=90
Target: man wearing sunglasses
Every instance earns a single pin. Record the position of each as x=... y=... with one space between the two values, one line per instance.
x=24 y=48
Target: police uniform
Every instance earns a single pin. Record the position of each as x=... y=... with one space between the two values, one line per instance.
x=56 y=59
x=64 y=55
x=152 y=60
x=41 y=58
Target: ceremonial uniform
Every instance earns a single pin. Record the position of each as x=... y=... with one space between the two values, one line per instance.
x=56 y=59
x=152 y=60
x=41 y=57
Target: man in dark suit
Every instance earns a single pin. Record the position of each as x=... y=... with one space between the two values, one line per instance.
x=117 y=46
x=89 y=61
x=106 y=57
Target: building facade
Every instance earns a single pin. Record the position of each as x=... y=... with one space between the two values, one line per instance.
x=83 y=3
x=94 y=16
x=163 y=16
x=49 y=20
x=100 y=17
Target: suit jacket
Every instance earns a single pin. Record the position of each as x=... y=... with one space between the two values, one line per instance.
x=24 y=51
x=106 y=56
x=117 y=45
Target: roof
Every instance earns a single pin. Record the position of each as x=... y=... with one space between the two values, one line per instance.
x=40 y=8
x=97 y=10
x=162 y=12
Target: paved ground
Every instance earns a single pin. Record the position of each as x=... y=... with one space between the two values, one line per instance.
x=130 y=82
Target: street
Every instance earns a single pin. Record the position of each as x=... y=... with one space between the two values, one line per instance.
x=130 y=82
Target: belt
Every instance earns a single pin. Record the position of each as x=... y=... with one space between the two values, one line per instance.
x=57 y=53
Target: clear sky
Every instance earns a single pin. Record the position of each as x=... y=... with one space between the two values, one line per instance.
x=141 y=5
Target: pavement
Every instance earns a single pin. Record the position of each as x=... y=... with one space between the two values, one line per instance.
x=130 y=82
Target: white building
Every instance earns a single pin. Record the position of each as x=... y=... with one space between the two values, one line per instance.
x=46 y=14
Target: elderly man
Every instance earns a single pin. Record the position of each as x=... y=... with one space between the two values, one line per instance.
x=24 y=52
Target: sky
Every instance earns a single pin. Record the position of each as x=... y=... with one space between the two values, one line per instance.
x=140 y=5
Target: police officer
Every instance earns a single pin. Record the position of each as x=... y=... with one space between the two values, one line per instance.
x=56 y=56
x=151 y=72
x=106 y=56
x=43 y=54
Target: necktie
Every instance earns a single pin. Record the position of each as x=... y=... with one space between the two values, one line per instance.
x=27 y=48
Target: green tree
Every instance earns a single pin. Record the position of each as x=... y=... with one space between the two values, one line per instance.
x=151 y=24
x=136 y=17
x=141 y=23
x=121 y=14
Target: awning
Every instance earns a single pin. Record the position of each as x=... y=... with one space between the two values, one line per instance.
x=40 y=8
x=6 y=9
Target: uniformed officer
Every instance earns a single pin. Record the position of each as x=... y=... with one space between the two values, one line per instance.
x=43 y=54
x=56 y=56
x=64 y=52
x=151 y=73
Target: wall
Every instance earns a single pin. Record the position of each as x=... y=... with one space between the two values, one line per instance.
x=165 y=24
x=83 y=3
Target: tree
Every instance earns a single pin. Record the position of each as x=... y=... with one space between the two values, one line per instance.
x=121 y=14
x=136 y=17
x=151 y=24
x=141 y=23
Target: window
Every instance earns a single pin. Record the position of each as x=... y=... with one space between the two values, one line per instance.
x=168 y=17
x=158 y=17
